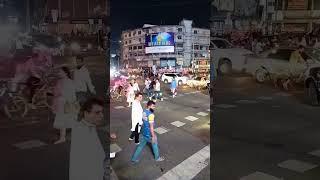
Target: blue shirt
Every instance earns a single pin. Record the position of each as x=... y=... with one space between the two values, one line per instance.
x=148 y=118
x=173 y=84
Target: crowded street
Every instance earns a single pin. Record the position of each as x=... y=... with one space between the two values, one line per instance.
x=262 y=132
x=182 y=125
x=29 y=142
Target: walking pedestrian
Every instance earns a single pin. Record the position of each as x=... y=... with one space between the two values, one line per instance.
x=130 y=94
x=136 y=118
x=148 y=134
x=136 y=88
x=87 y=154
x=65 y=104
x=157 y=90
x=173 y=87
x=82 y=81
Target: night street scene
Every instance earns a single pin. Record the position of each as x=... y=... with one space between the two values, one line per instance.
x=159 y=89
x=266 y=92
x=53 y=84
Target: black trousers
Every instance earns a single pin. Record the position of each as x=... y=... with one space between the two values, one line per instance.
x=33 y=86
x=135 y=134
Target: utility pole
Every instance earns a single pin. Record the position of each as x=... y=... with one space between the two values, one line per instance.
x=28 y=19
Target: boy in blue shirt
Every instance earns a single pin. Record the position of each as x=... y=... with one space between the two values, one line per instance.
x=148 y=134
x=173 y=87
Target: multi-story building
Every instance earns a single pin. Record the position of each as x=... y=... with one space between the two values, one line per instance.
x=165 y=45
x=230 y=15
x=85 y=15
x=292 y=15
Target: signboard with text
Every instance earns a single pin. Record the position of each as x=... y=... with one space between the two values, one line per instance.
x=162 y=42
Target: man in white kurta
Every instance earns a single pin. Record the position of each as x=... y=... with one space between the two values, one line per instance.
x=136 y=118
x=83 y=81
x=87 y=154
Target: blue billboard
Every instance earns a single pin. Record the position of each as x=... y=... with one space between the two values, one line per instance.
x=160 y=39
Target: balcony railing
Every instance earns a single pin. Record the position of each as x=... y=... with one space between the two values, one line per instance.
x=297 y=14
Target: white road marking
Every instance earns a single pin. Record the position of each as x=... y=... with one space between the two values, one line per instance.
x=180 y=95
x=119 y=107
x=165 y=98
x=283 y=94
x=191 y=118
x=178 y=123
x=161 y=130
x=208 y=110
x=190 y=167
x=265 y=98
x=202 y=114
x=315 y=153
x=187 y=93
x=30 y=144
x=297 y=166
x=114 y=148
x=225 y=106
x=259 y=176
x=246 y=102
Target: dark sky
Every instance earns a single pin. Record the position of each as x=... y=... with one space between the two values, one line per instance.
x=128 y=14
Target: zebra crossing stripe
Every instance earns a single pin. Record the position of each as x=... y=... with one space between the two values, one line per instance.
x=315 y=153
x=161 y=130
x=259 y=176
x=119 y=107
x=190 y=167
x=30 y=144
x=202 y=114
x=297 y=166
x=178 y=123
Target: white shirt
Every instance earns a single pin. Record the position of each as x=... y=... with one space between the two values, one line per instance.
x=136 y=115
x=83 y=81
x=136 y=87
x=157 y=88
x=86 y=153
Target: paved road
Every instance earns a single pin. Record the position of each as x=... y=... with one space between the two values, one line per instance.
x=185 y=148
x=27 y=146
x=260 y=131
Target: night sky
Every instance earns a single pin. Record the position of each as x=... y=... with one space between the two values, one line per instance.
x=129 y=14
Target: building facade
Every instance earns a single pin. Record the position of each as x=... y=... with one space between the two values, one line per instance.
x=83 y=15
x=188 y=45
x=292 y=15
x=231 y=15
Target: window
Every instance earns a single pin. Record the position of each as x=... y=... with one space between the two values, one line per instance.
x=139 y=32
x=179 y=44
x=269 y=16
x=126 y=56
x=139 y=39
x=130 y=48
x=125 y=35
x=125 y=42
x=129 y=41
x=221 y=44
x=135 y=54
x=129 y=34
x=281 y=54
x=196 y=47
x=179 y=29
x=139 y=47
x=195 y=32
x=147 y=31
x=134 y=33
x=134 y=47
x=179 y=37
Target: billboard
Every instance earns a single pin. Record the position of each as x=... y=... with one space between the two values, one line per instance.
x=297 y=4
x=162 y=42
